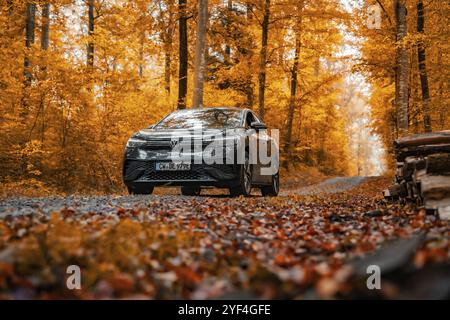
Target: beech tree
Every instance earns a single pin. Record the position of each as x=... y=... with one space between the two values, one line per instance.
x=402 y=68
x=423 y=68
x=199 y=66
x=183 y=55
x=263 y=58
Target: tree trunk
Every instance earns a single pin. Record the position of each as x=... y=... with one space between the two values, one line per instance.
x=29 y=39
x=45 y=30
x=30 y=24
x=294 y=82
x=263 y=59
x=441 y=103
x=183 y=52
x=414 y=97
x=423 y=68
x=168 y=41
x=45 y=26
x=167 y=64
x=292 y=100
x=249 y=85
x=91 y=29
x=30 y=17
x=141 y=54
x=199 y=64
x=227 y=47
x=402 y=68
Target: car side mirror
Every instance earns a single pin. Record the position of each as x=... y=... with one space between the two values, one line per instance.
x=258 y=126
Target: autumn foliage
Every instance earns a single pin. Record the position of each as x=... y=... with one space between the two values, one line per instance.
x=426 y=44
x=65 y=116
x=78 y=77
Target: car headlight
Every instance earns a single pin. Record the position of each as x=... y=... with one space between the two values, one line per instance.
x=132 y=143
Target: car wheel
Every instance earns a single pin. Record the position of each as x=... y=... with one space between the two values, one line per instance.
x=140 y=190
x=273 y=189
x=190 y=191
x=245 y=180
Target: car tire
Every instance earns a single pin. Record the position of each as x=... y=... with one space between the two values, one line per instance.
x=245 y=180
x=140 y=190
x=190 y=191
x=273 y=189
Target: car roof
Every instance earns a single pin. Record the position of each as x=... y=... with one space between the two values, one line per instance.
x=217 y=108
x=241 y=110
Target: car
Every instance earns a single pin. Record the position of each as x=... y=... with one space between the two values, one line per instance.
x=205 y=147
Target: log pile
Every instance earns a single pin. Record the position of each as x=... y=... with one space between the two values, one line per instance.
x=423 y=171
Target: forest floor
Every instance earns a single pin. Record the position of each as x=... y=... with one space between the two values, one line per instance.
x=315 y=240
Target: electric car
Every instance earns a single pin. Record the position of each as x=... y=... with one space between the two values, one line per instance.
x=208 y=147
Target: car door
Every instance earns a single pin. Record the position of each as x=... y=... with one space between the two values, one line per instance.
x=263 y=139
x=252 y=142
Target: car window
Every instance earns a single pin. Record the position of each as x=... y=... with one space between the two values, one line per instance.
x=249 y=119
x=256 y=118
x=206 y=118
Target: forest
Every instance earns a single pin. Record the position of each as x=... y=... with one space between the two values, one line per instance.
x=78 y=77
x=348 y=84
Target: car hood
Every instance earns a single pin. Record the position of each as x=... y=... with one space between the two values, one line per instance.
x=153 y=134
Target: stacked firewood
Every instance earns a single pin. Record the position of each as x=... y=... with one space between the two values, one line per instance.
x=423 y=171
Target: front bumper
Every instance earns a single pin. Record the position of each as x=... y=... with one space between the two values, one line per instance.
x=144 y=172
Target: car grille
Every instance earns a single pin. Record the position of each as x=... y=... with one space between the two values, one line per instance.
x=157 y=145
x=145 y=170
x=176 y=175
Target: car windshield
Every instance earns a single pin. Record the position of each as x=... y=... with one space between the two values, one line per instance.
x=206 y=118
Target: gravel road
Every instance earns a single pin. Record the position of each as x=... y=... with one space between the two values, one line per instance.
x=333 y=185
x=109 y=204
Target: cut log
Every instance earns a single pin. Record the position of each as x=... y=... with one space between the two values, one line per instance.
x=434 y=205
x=444 y=212
x=423 y=170
x=418 y=175
x=438 y=164
x=399 y=171
x=411 y=165
x=408 y=168
x=389 y=195
x=435 y=187
x=420 y=164
x=395 y=191
x=421 y=151
x=442 y=137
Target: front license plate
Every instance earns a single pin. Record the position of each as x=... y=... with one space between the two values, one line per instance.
x=172 y=166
